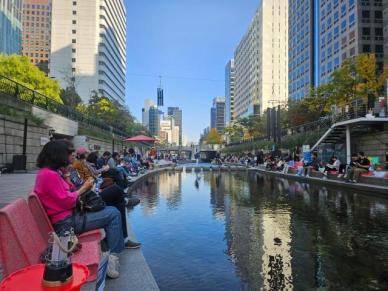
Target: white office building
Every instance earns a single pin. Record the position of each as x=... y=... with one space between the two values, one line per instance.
x=229 y=92
x=88 y=47
x=169 y=132
x=261 y=61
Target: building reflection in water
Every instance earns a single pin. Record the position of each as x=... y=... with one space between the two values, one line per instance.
x=286 y=235
x=167 y=186
x=258 y=242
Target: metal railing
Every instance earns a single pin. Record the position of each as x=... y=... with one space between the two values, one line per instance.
x=25 y=94
x=356 y=110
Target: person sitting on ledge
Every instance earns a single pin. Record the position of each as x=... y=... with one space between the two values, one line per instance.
x=59 y=201
x=333 y=165
x=362 y=165
x=112 y=194
x=313 y=165
x=344 y=168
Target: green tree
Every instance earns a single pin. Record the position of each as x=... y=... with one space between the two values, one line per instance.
x=70 y=97
x=357 y=78
x=113 y=113
x=20 y=69
x=213 y=137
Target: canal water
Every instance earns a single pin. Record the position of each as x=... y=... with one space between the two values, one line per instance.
x=246 y=231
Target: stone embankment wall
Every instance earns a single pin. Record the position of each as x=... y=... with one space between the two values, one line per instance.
x=373 y=144
x=11 y=140
x=93 y=144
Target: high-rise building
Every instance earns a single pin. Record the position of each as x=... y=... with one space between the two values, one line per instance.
x=385 y=17
x=88 y=47
x=145 y=112
x=348 y=28
x=302 y=45
x=11 y=26
x=229 y=92
x=37 y=32
x=160 y=96
x=212 y=117
x=169 y=131
x=218 y=114
x=261 y=61
x=154 y=120
x=176 y=113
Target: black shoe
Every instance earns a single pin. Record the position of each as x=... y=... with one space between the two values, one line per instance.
x=132 y=202
x=131 y=245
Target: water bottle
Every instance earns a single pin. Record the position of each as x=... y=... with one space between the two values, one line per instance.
x=99 y=181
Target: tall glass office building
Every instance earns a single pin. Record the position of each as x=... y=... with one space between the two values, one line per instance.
x=301 y=46
x=11 y=26
x=349 y=28
x=229 y=92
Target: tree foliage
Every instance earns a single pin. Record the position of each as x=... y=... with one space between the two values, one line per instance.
x=70 y=97
x=213 y=137
x=111 y=112
x=20 y=69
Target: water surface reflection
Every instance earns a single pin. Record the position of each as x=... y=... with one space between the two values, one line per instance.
x=244 y=231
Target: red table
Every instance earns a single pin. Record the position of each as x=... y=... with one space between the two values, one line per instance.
x=30 y=278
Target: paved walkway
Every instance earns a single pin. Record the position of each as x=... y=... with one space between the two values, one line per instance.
x=13 y=186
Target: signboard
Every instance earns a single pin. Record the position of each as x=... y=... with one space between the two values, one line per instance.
x=306 y=153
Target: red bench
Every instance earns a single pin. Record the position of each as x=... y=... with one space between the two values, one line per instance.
x=24 y=236
x=367 y=174
x=44 y=222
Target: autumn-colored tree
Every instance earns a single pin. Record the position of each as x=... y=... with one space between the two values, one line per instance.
x=20 y=69
x=213 y=137
x=357 y=78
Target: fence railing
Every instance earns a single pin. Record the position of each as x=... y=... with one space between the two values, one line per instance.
x=25 y=94
x=356 y=110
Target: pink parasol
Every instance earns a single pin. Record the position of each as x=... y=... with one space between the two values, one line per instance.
x=141 y=138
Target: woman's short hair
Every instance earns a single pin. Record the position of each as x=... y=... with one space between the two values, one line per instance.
x=54 y=155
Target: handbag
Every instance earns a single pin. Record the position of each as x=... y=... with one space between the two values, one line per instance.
x=89 y=201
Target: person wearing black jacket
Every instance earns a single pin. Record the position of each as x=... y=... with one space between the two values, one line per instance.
x=362 y=165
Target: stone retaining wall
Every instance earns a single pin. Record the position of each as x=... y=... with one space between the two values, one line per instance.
x=373 y=144
x=95 y=144
x=11 y=140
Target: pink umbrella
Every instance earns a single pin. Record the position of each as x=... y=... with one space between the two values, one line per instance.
x=141 y=138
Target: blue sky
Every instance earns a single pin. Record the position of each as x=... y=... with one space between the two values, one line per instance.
x=183 y=38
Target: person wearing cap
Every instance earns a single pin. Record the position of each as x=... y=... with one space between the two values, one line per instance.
x=112 y=195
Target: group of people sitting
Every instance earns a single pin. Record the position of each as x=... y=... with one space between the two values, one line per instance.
x=65 y=173
x=351 y=172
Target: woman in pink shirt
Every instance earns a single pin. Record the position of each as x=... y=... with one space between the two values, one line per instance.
x=59 y=201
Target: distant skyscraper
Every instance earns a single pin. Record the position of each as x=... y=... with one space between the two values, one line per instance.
x=88 y=47
x=154 y=121
x=160 y=97
x=301 y=44
x=169 y=131
x=37 y=32
x=349 y=28
x=213 y=117
x=145 y=112
x=11 y=26
x=176 y=113
x=218 y=114
x=229 y=92
x=261 y=61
